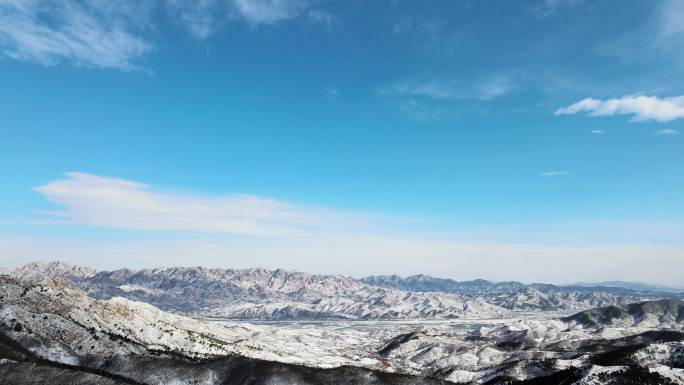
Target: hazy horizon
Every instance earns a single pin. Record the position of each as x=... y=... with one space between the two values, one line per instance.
x=113 y=268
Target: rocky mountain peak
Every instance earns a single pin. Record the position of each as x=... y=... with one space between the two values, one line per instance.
x=55 y=269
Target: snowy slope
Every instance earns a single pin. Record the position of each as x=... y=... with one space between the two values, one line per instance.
x=65 y=326
x=263 y=294
x=286 y=295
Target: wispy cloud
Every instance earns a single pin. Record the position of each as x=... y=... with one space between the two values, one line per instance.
x=270 y=11
x=322 y=17
x=597 y=132
x=555 y=173
x=642 y=107
x=483 y=89
x=432 y=99
x=78 y=32
x=200 y=17
x=547 y=8
x=118 y=34
x=671 y=21
x=667 y=131
x=246 y=231
x=425 y=111
x=118 y=203
x=331 y=91
x=429 y=26
x=659 y=37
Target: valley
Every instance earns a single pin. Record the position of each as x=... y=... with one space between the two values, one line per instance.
x=58 y=329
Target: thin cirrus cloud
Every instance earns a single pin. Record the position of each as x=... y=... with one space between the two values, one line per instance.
x=555 y=173
x=199 y=17
x=118 y=203
x=667 y=131
x=484 y=89
x=117 y=35
x=270 y=233
x=547 y=8
x=269 y=11
x=671 y=21
x=641 y=107
x=82 y=33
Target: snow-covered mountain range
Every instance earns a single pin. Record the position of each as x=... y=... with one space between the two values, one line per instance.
x=287 y=295
x=52 y=334
x=426 y=283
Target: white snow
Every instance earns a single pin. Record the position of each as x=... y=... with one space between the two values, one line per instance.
x=468 y=350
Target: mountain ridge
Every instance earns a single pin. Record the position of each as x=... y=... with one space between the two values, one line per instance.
x=59 y=268
x=424 y=282
x=48 y=331
x=262 y=294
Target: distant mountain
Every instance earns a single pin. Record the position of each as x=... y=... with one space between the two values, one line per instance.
x=262 y=294
x=635 y=286
x=518 y=296
x=287 y=295
x=53 y=269
x=426 y=283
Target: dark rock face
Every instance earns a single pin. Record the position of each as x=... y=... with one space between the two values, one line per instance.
x=600 y=316
x=29 y=373
x=396 y=342
x=633 y=375
x=664 y=311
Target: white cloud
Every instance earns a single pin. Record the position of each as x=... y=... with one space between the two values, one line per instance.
x=659 y=38
x=332 y=91
x=428 y=100
x=434 y=90
x=118 y=203
x=198 y=16
x=83 y=33
x=322 y=17
x=549 y=7
x=269 y=11
x=424 y=111
x=117 y=34
x=429 y=27
x=555 y=173
x=667 y=131
x=433 y=100
x=597 y=132
x=484 y=89
x=671 y=20
x=492 y=88
x=643 y=107
x=173 y=228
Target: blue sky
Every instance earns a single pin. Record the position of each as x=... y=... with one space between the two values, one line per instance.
x=536 y=140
